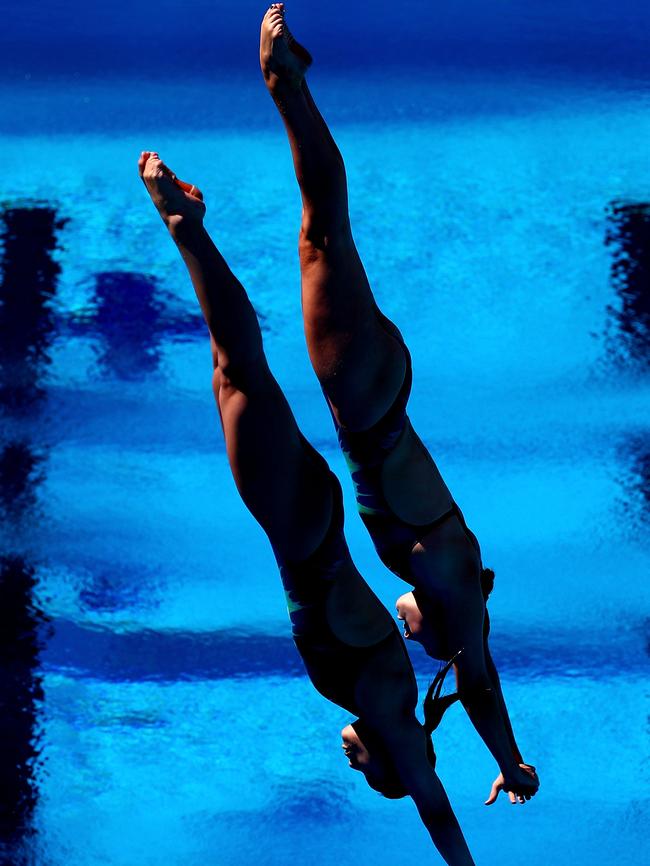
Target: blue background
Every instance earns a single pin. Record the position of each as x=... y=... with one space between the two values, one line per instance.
x=156 y=709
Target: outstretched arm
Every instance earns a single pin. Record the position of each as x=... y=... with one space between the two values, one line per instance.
x=386 y=695
x=483 y=701
x=499 y=782
x=447 y=568
x=496 y=685
x=406 y=742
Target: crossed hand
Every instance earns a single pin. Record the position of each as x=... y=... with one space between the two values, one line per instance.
x=519 y=789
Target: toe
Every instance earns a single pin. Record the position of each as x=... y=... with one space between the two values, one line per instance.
x=155 y=168
x=142 y=161
x=166 y=170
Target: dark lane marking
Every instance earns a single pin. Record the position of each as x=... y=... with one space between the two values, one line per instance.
x=172 y=656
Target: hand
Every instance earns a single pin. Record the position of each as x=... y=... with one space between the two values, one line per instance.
x=174 y=199
x=520 y=785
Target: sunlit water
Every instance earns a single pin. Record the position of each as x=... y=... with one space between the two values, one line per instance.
x=174 y=723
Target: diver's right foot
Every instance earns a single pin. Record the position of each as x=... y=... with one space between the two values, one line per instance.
x=282 y=58
x=175 y=200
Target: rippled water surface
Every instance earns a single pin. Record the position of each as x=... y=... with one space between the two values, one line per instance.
x=155 y=707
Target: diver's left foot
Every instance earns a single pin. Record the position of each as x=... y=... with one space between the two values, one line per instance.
x=282 y=58
x=174 y=199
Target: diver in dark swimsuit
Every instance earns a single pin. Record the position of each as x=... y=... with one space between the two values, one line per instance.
x=351 y=647
x=364 y=369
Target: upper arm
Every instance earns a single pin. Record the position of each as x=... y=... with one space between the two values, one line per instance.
x=447 y=569
x=406 y=742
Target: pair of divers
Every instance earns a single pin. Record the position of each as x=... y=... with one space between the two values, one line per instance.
x=351 y=647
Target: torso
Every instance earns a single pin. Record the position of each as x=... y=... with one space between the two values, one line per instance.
x=336 y=619
x=401 y=496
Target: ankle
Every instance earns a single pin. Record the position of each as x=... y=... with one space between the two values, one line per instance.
x=182 y=228
x=281 y=87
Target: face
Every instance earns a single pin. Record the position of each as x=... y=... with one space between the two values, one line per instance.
x=355 y=751
x=410 y=614
x=379 y=772
x=424 y=628
x=359 y=758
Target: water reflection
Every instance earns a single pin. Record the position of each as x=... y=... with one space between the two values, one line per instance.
x=169 y=656
x=153 y=656
x=28 y=285
x=635 y=456
x=131 y=318
x=21 y=638
x=114 y=587
x=29 y=275
x=20 y=474
x=641 y=464
x=128 y=318
x=628 y=233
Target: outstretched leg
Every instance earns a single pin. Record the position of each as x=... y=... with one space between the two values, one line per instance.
x=360 y=365
x=282 y=480
x=287 y=487
x=361 y=368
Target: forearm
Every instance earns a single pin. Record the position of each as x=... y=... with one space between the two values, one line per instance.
x=483 y=706
x=442 y=824
x=407 y=745
x=496 y=686
x=483 y=703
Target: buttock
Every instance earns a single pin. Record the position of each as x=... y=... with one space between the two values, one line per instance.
x=327 y=598
x=400 y=493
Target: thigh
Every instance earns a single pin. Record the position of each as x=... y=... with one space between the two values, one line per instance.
x=359 y=362
x=282 y=480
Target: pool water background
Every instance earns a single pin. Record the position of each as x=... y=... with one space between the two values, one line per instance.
x=171 y=719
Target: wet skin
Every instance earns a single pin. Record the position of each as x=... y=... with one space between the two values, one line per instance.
x=351 y=351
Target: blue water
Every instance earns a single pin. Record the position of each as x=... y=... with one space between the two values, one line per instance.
x=162 y=711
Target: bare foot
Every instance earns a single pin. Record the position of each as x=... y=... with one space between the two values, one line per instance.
x=174 y=199
x=281 y=57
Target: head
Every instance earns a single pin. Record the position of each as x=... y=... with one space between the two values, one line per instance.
x=366 y=754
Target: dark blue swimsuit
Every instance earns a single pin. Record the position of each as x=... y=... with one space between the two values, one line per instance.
x=392 y=446
x=338 y=623
x=395 y=527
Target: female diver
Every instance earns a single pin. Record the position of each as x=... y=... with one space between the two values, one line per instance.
x=364 y=369
x=351 y=647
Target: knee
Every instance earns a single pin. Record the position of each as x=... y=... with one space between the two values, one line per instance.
x=224 y=372
x=224 y=386
x=232 y=375
x=323 y=235
x=215 y=353
x=219 y=381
